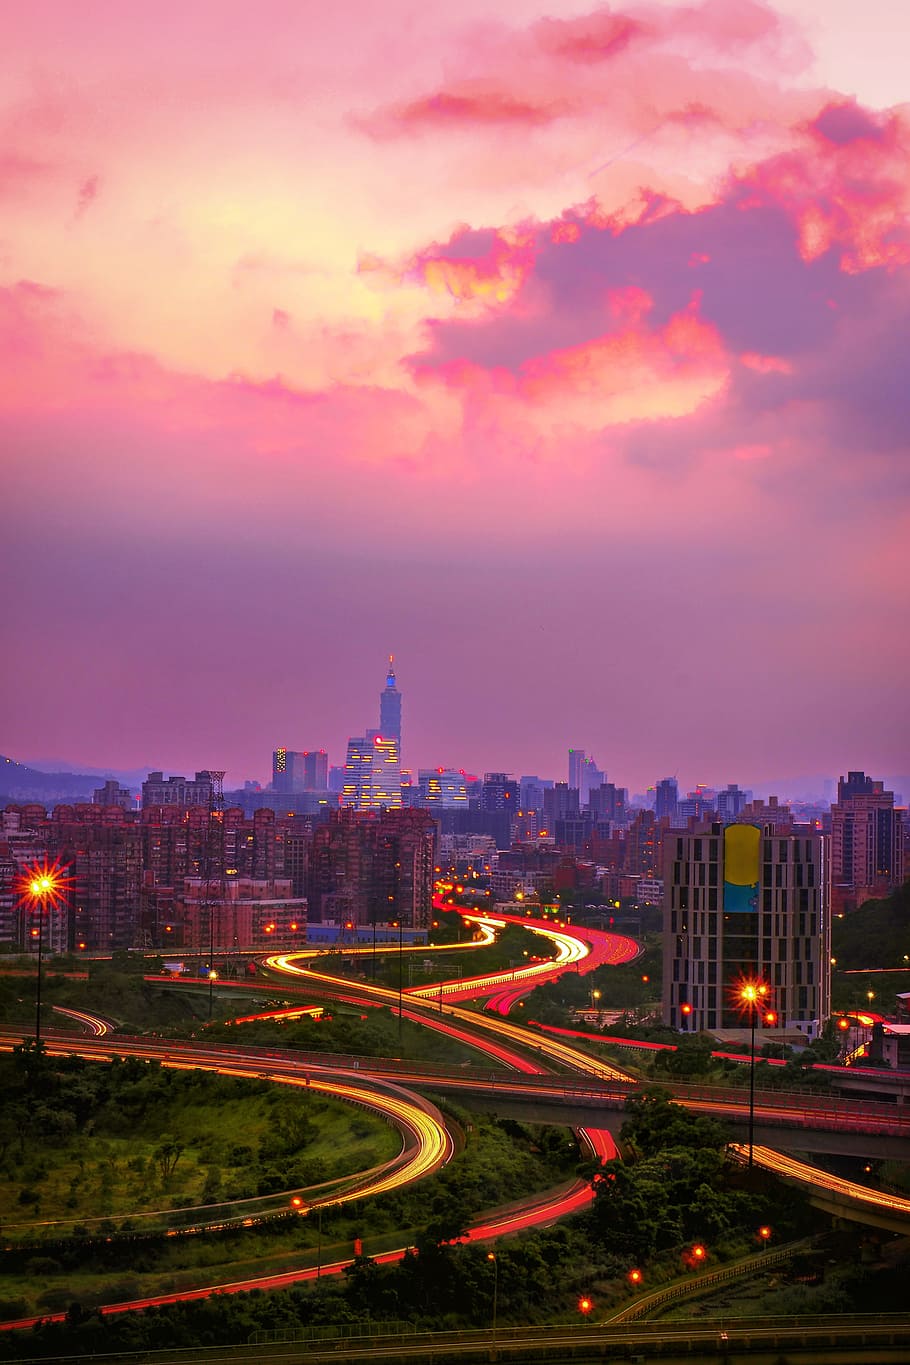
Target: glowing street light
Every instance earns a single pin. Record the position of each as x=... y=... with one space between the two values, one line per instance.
x=42 y=887
x=585 y=1305
x=491 y=1256
x=751 y=996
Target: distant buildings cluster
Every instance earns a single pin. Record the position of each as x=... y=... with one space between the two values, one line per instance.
x=744 y=887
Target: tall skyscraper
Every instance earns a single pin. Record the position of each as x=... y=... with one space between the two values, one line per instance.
x=390 y=708
x=584 y=774
x=666 y=798
x=576 y=768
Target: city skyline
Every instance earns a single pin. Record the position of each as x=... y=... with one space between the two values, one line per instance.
x=559 y=354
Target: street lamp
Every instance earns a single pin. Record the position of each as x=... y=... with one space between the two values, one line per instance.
x=42 y=887
x=752 y=996
x=491 y=1256
x=399 y=923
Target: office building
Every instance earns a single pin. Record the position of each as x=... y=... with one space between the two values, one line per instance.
x=584 y=774
x=743 y=904
x=442 y=788
x=500 y=793
x=666 y=798
x=372 y=773
x=729 y=803
x=299 y=770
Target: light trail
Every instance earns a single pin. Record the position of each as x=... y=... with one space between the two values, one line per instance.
x=427 y=1147
x=803 y=1174
x=96 y=1026
x=549 y=1048
x=538 y=1212
x=569 y=950
x=295 y=1012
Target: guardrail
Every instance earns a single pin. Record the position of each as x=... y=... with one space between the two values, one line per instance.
x=707 y=1280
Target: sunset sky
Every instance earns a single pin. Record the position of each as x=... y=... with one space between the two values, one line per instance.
x=562 y=350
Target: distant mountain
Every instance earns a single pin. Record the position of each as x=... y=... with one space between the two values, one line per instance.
x=18 y=782
x=127 y=777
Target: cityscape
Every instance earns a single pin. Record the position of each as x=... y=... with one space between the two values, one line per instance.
x=454 y=740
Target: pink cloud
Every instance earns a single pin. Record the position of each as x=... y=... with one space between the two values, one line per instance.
x=594 y=37
x=88 y=193
x=475 y=104
x=659 y=61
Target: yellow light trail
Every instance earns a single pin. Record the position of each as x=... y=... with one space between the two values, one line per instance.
x=810 y=1175
x=432 y=1144
x=568 y=950
x=550 y=1048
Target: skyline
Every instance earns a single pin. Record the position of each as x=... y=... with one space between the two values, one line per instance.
x=558 y=353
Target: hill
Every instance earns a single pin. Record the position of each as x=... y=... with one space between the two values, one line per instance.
x=20 y=783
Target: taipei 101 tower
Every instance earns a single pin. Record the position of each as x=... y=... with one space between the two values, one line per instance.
x=390 y=708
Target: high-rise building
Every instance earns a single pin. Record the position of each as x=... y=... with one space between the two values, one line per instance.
x=643 y=845
x=729 y=802
x=299 y=770
x=531 y=790
x=499 y=793
x=745 y=905
x=443 y=788
x=390 y=707
x=372 y=773
x=608 y=802
x=666 y=798
x=561 y=802
x=584 y=774
x=867 y=841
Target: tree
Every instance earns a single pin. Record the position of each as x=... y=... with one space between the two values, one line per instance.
x=166 y=1155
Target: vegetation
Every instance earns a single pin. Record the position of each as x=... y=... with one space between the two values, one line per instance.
x=870 y=939
x=875 y=935
x=674 y=1190
x=134 y=1135
x=81 y=1141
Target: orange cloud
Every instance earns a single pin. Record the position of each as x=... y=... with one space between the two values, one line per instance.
x=489 y=268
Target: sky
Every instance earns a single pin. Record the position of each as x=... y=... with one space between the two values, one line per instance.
x=559 y=349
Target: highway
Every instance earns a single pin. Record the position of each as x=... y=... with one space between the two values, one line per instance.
x=548 y=1066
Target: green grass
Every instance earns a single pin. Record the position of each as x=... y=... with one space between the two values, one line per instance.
x=115 y=1175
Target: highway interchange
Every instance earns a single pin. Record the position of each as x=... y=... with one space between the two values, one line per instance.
x=552 y=1066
